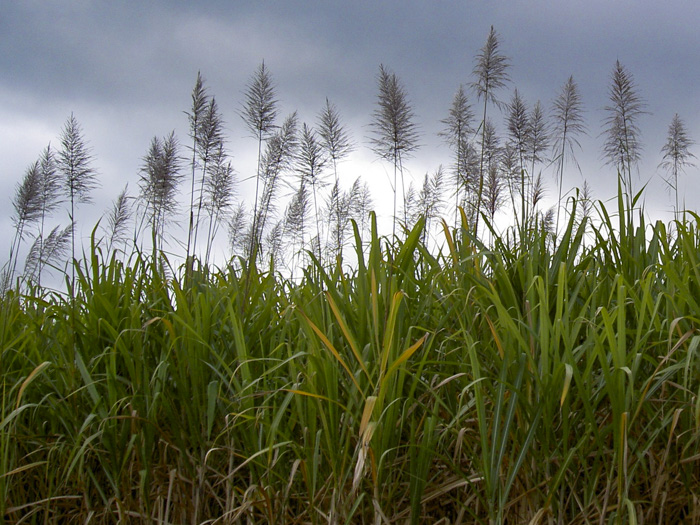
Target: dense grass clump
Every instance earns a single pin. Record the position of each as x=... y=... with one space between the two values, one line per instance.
x=530 y=380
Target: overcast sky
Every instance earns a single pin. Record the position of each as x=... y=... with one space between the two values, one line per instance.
x=126 y=70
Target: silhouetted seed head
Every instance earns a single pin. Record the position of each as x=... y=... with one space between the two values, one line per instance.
x=74 y=163
x=622 y=147
x=490 y=69
x=393 y=127
x=260 y=107
x=334 y=138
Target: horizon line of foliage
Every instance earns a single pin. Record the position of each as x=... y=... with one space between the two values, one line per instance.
x=487 y=174
x=524 y=381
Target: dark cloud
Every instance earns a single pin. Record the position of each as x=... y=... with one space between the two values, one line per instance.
x=126 y=69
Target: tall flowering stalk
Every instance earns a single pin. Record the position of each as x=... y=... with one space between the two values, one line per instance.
x=491 y=72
